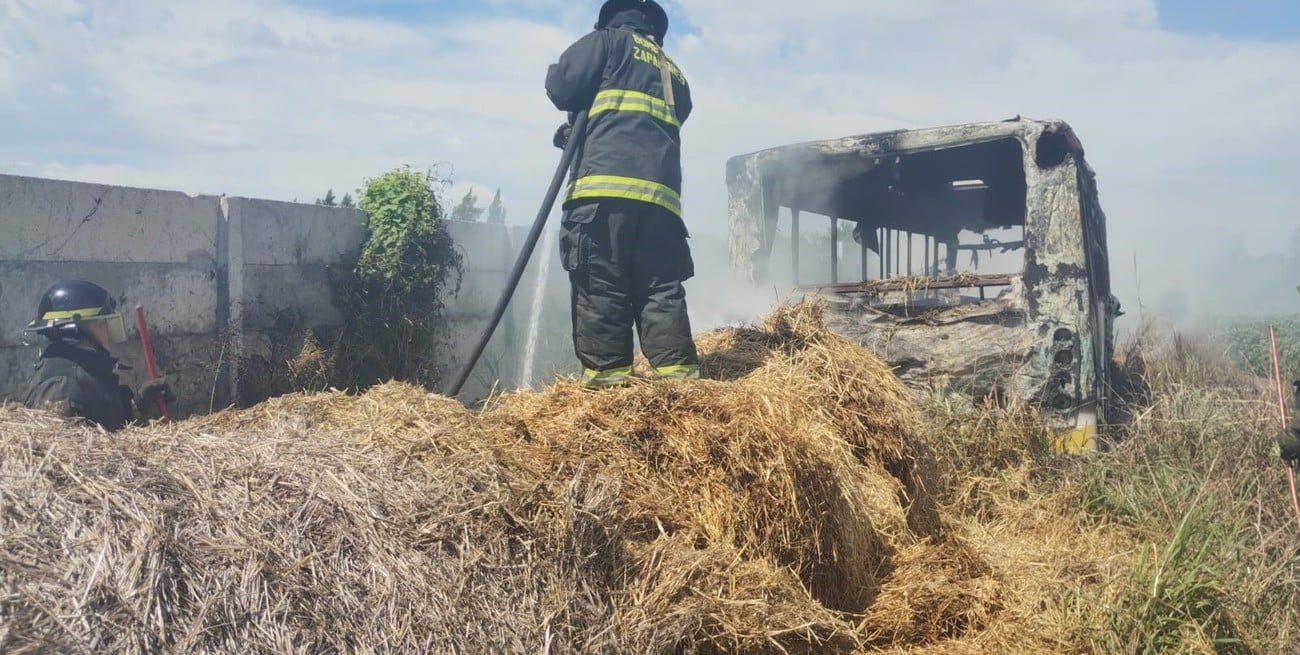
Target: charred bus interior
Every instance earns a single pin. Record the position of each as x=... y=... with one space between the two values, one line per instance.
x=927 y=230
x=970 y=258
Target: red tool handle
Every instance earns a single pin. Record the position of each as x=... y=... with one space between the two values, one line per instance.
x=149 y=363
x=1281 y=406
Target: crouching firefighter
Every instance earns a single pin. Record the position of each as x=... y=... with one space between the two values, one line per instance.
x=76 y=375
x=623 y=240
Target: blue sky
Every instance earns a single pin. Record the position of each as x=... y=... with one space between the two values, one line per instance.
x=408 y=10
x=1189 y=109
x=1253 y=19
x=1249 y=19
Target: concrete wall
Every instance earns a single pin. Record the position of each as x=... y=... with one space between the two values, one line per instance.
x=228 y=283
x=153 y=247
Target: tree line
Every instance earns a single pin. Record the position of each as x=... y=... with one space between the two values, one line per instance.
x=467 y=209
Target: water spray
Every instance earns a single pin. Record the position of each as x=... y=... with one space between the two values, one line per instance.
x=535 y=316
x=525 y=254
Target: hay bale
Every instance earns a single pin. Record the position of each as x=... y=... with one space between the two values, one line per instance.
x=278 y=537
x=689 y=598
x=806 y=446
x=937 y=592
x=694 y=474
x=766 y=510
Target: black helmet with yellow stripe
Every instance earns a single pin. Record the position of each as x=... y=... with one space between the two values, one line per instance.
x=69 y=306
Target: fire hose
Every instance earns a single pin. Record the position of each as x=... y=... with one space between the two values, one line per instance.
x=525 y=254
x=1281 y=405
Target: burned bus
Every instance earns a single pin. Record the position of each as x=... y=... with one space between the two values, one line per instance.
x=971 y=258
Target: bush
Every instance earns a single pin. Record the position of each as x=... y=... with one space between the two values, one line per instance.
x=393 y=299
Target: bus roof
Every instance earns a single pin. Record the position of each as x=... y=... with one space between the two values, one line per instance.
x=854 y=149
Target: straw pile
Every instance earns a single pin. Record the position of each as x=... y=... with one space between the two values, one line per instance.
x=782 y=506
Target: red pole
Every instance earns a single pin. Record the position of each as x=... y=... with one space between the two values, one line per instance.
x=150 y=365
x=1281 y=406
x=1277 y=373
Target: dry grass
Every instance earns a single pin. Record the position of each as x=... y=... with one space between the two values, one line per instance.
x=278 y=538
x=795 y=502
x=769 y=510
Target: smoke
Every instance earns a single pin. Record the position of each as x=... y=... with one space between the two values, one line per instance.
x=1230 y=277
x=717 y=297
x=1193 y=136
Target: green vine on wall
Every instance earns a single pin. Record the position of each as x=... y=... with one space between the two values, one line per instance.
x=393 y=300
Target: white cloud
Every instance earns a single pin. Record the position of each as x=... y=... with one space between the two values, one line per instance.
x=261 y=97
x=1194 y=139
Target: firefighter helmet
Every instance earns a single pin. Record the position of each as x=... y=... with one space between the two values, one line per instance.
x=69 y=305
x=658 y=17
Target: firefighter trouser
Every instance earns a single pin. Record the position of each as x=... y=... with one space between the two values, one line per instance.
x=626 y=261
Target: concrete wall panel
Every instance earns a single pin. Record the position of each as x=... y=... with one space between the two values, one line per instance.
x=479 y=292
x=485 y=247
x=53 y=220
x=498 y=366
x=283 y=297
x=296 y=234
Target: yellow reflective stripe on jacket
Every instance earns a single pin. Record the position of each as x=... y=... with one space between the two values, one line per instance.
x=627 y=188
x=624 y=100
x=687 y=371
x=84 y=313
x=607 y=378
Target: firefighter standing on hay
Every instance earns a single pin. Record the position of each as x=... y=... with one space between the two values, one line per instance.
x=76 y=375
x=622 y=239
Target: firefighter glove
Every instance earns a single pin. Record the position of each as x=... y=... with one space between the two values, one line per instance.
x=146 y=400
x=1288 y=442
x=561 y=138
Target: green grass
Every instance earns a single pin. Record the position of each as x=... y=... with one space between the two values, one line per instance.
x=1247 y=342
x=1195 y=474
x=1193 y=483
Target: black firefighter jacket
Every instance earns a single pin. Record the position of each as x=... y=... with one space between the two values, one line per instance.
x=78 y=382
x=637 y=100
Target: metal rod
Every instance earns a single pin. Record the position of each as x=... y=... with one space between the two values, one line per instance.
x=794 y=245
x=925 y=246
x=880 y=250
x=909 y=254
x=835 y=250
x=575 y=137
x=898 y=252
x=889 y=253
x=862 y=236
x=893 y=253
